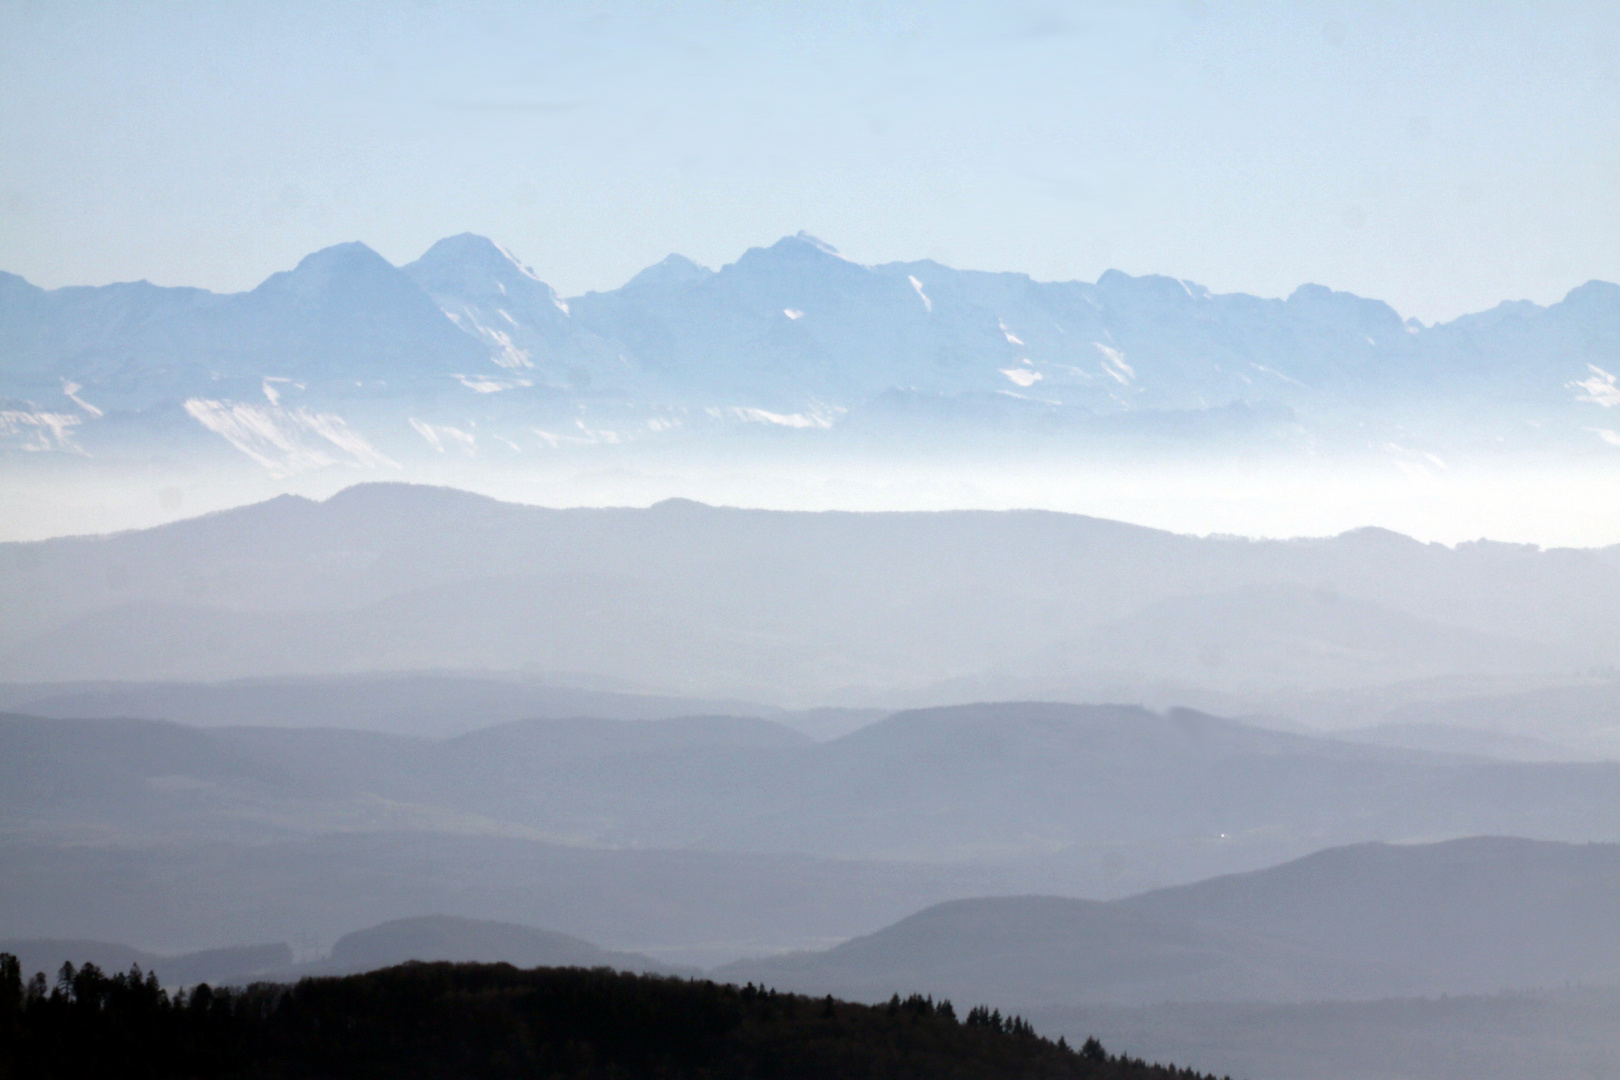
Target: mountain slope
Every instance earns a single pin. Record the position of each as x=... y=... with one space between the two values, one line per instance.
x=1038 y=950
x=1477 y=915
x=343 y=314
x=713 y=602
x=1095 y=798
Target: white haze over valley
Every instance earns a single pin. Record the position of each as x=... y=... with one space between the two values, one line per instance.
x=1447 y=503
x=1229 y=414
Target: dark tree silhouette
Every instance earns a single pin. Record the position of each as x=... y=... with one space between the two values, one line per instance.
x=492 y=1022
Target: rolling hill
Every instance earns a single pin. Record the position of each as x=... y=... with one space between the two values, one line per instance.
x=703 y=837
x=1472 y=916
x=684 y=600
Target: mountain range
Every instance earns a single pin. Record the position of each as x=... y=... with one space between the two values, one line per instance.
x=349 y=360
x=798 y=609
x=1470 y=916
x=1200 y=887
x=702 y=836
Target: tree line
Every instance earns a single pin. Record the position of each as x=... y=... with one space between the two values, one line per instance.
x=476 y=1021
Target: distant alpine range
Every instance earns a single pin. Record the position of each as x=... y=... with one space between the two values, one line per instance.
x=347 y=359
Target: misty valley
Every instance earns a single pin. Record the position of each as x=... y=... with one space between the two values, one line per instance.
x=1227 y=802
x=585 y=540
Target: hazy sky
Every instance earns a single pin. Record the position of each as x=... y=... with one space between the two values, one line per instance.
x=1440 y=156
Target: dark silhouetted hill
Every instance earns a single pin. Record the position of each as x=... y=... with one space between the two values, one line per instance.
x=472 y=1021
x=234 y=964
x=446 y=938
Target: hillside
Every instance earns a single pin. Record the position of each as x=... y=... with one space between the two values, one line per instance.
x=474 y=1021
x=442 y=938
x=702 y=839
x=1472 y=916
x=692 y=601
x=1047 y=792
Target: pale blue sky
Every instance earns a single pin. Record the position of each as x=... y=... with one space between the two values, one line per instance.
x=1440 y=156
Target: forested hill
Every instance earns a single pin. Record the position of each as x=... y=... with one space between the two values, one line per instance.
x=473 y=1021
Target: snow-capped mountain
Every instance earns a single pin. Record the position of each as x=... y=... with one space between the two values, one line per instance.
x=488 y=294
x=347 y=358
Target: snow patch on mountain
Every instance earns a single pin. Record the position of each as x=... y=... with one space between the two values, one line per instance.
x=486 y=384
x=37 y=430
x=503 y=351
x=1601 y=388
x=1114 y=364
x=816 y=417
x=287 y=442
x=928 y=304
x=1275 y=374
x=437 y=435
x=587 y=436
x=70 y=390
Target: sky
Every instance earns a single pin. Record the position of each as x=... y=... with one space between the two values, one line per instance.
x=1442 y=157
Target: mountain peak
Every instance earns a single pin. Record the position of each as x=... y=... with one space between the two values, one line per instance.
x=1158 y=286
x=805 y=238
x=471 y=250
x=318 y=272
x=351 y=254
x=491 y=296
x=1594 y=295
x=671 y=270
x=393 y=496
x=798 y=259
x=799 y=246
x=16 y=283
x=681 y=506
x=468 y=259
x=1331 y=306
x=1378 y=536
